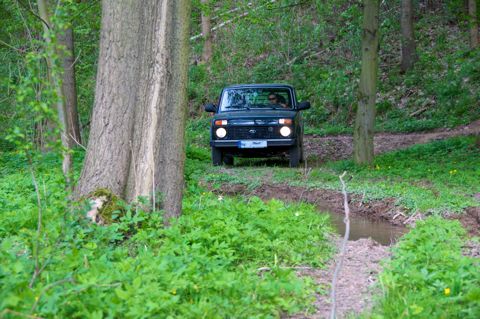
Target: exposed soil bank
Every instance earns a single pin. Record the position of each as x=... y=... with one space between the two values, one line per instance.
x=324 y=199
x=332 y=201
x=355 y=286
x=322 y=149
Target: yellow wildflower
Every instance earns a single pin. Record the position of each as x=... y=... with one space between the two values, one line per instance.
x=447 y=291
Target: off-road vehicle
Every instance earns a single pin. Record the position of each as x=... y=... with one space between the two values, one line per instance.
x=257 y=120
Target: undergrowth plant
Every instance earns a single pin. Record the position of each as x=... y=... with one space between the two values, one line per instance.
x=205 y=265
x=428 y=277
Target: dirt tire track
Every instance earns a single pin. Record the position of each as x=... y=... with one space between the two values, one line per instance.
x=331 y=148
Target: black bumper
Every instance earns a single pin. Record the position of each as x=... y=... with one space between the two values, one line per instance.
x=270 y=142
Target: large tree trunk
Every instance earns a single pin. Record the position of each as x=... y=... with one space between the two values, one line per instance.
x=365 y=120
x=56 y=83
x=206 y=31
x=409 y=55
x=69 y=86
x=136 y=140
x=473 y=23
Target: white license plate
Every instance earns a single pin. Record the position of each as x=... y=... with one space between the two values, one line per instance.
x=252 y=144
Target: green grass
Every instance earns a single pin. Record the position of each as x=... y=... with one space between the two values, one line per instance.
x=204 y=265
x=438 y=177
x=428 y=277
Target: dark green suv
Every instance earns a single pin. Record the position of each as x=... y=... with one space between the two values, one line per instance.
x=257 y=120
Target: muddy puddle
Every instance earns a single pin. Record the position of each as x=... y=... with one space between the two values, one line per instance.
x=360 y=227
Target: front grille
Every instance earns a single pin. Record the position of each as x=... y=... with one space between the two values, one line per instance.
x=252 y=132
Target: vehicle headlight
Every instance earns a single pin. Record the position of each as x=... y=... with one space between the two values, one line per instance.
x=285 y=131
x=221 y=132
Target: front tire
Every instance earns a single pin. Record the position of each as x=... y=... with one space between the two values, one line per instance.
x=217 y=156
x=294 y=153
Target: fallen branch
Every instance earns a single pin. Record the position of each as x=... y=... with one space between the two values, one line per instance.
x=343 y=247
x=229 y=21
x=418 y=112
x=398 y=214
x=410 y=218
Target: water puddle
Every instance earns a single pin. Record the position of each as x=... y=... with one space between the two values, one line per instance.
x=360 y=227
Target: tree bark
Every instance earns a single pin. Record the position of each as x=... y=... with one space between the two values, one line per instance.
x=172 y=144
x=365 y=120
x=137 y=139
x=206 y=31
x=54 y=78
x=69 y=86
x=473 y=23
x=409 y=55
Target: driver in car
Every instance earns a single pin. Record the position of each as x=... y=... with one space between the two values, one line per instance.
x=276 y=99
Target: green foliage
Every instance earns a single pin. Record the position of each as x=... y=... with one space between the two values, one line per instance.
x=428 y=277
x=315 y=45
x=204 y=265
x=437 y=177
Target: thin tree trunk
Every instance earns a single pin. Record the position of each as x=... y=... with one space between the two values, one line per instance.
x=136 y=145
x=365 y=120
x=409 y=55
x=69 y=86
x=473 y=23
x=62 y=117
x=207 y=34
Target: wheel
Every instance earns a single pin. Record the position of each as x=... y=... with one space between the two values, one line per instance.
x=217 y=156
x=228 y=160
x=294 y=153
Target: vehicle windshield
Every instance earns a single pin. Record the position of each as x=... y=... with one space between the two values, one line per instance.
x=256 y=98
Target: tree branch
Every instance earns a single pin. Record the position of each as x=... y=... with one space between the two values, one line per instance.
x=229 y=21
x=343 y=247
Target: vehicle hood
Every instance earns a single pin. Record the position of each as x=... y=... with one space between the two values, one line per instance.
x=256 y=114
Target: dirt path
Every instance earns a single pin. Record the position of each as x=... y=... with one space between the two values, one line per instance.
x=327 y=148
x=355 y=286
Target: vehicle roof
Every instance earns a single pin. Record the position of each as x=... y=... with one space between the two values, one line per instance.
x=260 y=85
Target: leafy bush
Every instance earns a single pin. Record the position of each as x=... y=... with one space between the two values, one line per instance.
x=428 y=277
x=204 y=265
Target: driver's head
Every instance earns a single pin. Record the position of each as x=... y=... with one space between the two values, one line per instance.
x=273 y=98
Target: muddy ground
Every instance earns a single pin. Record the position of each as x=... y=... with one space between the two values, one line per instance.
x=331 y=200
x=356 y=280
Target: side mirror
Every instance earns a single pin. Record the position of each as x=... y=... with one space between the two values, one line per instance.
x=210 y=107
x=303 y=105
